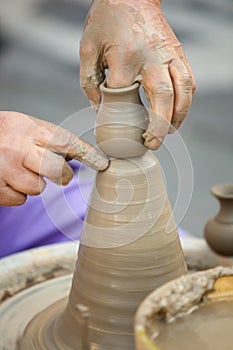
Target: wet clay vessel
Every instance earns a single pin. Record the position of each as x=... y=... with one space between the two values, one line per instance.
x=219 y=229
x=129 y=246
x=30 y=282
x=192 y=312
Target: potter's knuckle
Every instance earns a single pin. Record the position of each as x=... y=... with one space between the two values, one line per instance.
x=64 y=138
x=76 y=144
x=41 y=132
x=34 y=192
x=187 y=81
x=41 y=129
x=87 y=82
x=55 y=169
x=164 y=89
x=66 y=178
x=38 y=188
x=20 y=200
x=86 y=48
x=25 y=156
x=90 y=80
x=52 y=169
x=179 y=115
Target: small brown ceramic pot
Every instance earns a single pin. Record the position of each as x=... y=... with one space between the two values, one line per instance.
x=192 y=312
x=219 y=229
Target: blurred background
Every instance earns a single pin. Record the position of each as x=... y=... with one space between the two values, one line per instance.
x=39 y=66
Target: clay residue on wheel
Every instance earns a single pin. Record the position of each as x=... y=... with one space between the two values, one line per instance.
x=23 y=270
x=176 y=299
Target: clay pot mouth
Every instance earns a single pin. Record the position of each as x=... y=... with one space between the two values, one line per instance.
x=115 y=91
x=223 y=190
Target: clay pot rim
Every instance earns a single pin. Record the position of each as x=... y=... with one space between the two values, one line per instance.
x=115 y=91
x=163 y=298
x=223 y=190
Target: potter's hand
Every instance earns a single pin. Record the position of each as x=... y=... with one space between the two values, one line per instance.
x=133 y=39
x=31 y=148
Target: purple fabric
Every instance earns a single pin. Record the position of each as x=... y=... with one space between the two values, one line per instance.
x=55 y=216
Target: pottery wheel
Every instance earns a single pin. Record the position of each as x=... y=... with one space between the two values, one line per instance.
x=42 y=303
x=17 y=312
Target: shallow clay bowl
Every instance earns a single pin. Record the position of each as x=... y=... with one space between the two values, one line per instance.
x=194 y=311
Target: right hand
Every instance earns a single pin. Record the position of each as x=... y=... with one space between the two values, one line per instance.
x=32 y=148
x=133 y=40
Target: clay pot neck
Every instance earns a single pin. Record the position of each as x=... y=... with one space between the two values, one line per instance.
x=126 y=95
x=224 y=193
x=121 y=122
x=226 y=211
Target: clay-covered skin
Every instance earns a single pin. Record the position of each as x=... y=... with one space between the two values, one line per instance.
x=30 y=149
x=134 y=41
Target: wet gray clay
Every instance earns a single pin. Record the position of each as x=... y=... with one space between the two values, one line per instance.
x=129 y=246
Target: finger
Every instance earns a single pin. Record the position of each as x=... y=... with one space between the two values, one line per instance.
x=87 y=154
x=91 y=71
x=158 y=87
x=122 y=72
x=182 y=56
x=62 y=141
x=10 y=198
x=25 y=181
x=182 y=83
x=46 y=163
x=174 y=42
x=66 y=143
